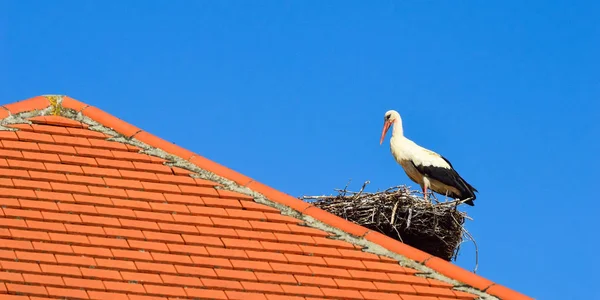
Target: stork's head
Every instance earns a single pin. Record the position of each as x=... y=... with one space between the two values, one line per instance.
x=390 y=117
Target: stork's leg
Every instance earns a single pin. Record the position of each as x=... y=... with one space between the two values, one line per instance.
x=425 y=186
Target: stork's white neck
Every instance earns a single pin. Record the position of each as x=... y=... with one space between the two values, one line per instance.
x=397 y=130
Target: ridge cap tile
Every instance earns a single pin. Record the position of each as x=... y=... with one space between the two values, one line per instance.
x=75 y=204
x=57 y=121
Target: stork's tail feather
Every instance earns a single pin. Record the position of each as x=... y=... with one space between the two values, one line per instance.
x=468 y=192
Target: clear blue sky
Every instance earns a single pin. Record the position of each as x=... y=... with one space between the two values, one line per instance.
x=292 y=93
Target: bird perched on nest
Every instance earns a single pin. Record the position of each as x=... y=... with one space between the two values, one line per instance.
x=425 y=167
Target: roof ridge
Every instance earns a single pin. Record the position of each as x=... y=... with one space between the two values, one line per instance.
x=372 y=241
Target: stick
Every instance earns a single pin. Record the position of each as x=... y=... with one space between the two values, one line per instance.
x=474 y=243
x=346 y=187
x=361 y=189
x=476 y=250
x=316 y=197
x=395 y=229
x=394 y=212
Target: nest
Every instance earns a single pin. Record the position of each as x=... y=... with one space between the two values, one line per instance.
x=436 y=228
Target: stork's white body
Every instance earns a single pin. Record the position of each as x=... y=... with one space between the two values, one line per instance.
x=408 y=154
x=425 y=167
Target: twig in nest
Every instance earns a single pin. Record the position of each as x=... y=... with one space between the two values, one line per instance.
x=432 y=195
x=361 y=190
x=476 y=250
x=394 y=212
x=395 y=229
x=472 y=239
x=347 y=184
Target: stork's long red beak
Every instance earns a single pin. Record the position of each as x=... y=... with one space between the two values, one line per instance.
x=386 y=127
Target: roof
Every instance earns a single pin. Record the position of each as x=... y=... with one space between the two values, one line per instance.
x=95 y=208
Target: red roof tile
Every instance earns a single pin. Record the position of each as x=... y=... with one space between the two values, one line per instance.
x=86 y=217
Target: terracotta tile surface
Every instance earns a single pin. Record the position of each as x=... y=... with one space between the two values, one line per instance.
x=84 y=217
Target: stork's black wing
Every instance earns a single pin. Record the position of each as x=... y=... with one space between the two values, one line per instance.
x=450 y=177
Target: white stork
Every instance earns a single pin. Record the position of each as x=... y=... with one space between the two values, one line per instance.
x=425 y=167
